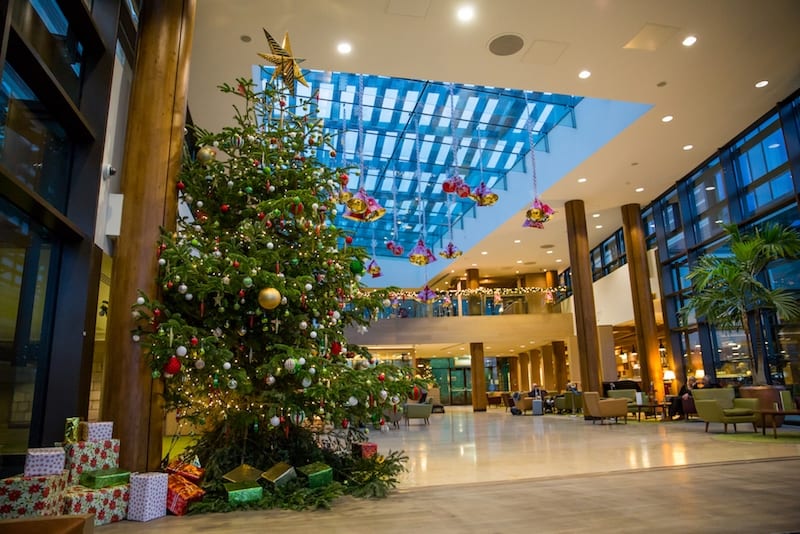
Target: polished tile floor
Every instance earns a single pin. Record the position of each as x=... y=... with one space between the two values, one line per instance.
x=494 y=472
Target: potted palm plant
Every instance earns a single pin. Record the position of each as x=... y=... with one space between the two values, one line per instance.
x=728 y=289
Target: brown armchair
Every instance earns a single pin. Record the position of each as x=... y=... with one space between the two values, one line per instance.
x=601 y=409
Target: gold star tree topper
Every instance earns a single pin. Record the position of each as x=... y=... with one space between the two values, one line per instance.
x=286 y=65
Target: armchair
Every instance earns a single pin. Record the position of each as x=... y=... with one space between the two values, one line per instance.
x=601 y=409
x=630 y=396
x=569 y=401
x=525 y=404
x=720 y=406
x=417 y=411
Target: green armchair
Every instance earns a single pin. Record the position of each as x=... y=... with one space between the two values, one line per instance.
x=417 y=411
x=721 y=406
x=629 y=395
x=570 y=401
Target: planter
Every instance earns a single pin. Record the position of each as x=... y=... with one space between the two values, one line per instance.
x=767 y=397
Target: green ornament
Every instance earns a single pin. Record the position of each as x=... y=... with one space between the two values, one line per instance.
x=236 y=306
x=276 y=212
x=248 y=190
x=247 y=281
x=356 y=267
x=195 y=242
x=294 y=261
x=216 y=381
x=156 y=374
x=296 y=200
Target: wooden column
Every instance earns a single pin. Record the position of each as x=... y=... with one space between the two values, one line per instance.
x=641 y=293
x=549 y=368
x=535 y=356
x=513 y=371
x=560 y=360
x=524 y=375
x=479 y=401
x=153 y=143
x=474 y=304
x=583 y=296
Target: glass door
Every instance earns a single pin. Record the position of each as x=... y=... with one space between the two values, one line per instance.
x=460 y=387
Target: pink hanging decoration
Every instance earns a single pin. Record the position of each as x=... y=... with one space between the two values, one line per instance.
x=396 y=248
x=450 y=251
x=483 y=196
x=426 y=295
x=421 y=254
x=549 y=297
x=374 y=269
x=363 y=207
x=538 y=214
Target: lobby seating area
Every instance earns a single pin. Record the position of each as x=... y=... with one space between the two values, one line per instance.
x=721 y=406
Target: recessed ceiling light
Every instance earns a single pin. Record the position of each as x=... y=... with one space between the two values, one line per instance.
x=689 y=40
x=719 y=221
x=519 y=261
x=474 y=264
x=774 y=145
x=465 y=13
x=595 y=215
x=762 y=83
x=549 y=251
x=452 y=270
x=584 y=74
x=639 y=189
x=518 y=241
x=710 y=188
x=688 y=147
x=245 y=38
x=581 y=180
x=667 y=118
x=598 y=226
x=344 y=48
x=484 y=253
x=559 y=260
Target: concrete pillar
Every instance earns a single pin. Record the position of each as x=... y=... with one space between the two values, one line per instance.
x=479 y=401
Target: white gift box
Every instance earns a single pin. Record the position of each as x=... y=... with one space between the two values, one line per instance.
x=44 y=461
x=148 y=498
x=95 y=431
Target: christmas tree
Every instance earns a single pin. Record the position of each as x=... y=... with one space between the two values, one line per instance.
x=257 y=285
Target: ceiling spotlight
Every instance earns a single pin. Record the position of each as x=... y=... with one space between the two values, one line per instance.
x=549 y=252
x=710 y=188
x=639 y=189
x=584 y=74
x=595 y=215
x=519 y=261
x=762 y=83
x=688 y=147
x=465 y=13
x=582 y=180
x=559 y=260
x=598 y=226
x=518 y=241
x=667 y=118
x=484 y=253
x=344 y=48
x=689 y=41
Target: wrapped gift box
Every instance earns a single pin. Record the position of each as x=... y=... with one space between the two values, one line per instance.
x=148 y=496
x=98 y=431
x=22 y=496
x=245 y=491
x=190 y=472
x=180 y=492
x=279 y=474
x=71 y=429
x=90 y=456
x=103 y=478
x=44 y=461
x=365 y=450
x=318 y=474
x=108 y=505
x=243 y=473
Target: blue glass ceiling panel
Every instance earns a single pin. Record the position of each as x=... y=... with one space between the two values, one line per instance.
x=405 y=145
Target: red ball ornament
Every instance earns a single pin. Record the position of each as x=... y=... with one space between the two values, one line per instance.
x=282 y=103
x=261 y=215
x=242 y=293
x=173 y=366
x=345 y=423
x=181 y=186
x=225 y=208
x=194 y=341
x=333 y=153
x=348 y=239
x=416 y=393
x=381 y=377
x=235 y=264
x=156 y=312
x=336 y=348
x=344 y=179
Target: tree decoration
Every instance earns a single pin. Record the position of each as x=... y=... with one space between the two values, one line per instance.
x=539 y=212
x=271 y=296
x=372 y=267
x=286 y=65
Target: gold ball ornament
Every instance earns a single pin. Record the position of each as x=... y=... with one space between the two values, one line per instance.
x=206 y=155
x=269 y=298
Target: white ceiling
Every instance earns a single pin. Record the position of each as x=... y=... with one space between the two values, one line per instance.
x=708 y=88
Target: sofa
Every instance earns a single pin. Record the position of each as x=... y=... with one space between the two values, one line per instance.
x=720 y=405
x=417 y=411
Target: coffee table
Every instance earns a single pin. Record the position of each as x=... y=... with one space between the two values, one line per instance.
x=651 y=407
x=765 y=413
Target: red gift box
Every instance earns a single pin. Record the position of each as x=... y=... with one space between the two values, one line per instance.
x=180 y=492
x=365 y=450
x=188 y=471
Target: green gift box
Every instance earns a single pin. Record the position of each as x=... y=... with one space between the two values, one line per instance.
x=318 y=474
x=246 y=491
x=103 y=478
x=279 y=474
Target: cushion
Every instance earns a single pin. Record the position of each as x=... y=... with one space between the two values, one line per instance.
x=733 y=412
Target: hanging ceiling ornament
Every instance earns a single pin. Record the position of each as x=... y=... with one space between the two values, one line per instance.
x=450 y=186
x=372 y=267
x=539 y=212
x=362 y=206
x=420 y=255
x=394 y=243
x=426 y=295
x=483 y=196
x=451 y=251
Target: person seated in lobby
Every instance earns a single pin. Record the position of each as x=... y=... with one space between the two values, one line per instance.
x=707 y=383
x=676 y=406
x=536 y=392
x=572 y=387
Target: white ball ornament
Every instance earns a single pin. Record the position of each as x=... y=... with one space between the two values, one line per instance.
x=135 y=314
x=274 y=420
x=199 y=364
x=270 y=380
x=395 y=400
x=188 y=296
x=284 y=301
x=386 y=303
x=301 y=361
x=270 y=245
x=183 y=288
x=199 y=204
x=383 y=394
x=230 y=183
x=272 y=189
x=312 y=334
x=290 y=364
x=232 y=383
x=306 y=382
x=336 y=314
x=314 y=206
x=309 y=287
x=352 y=401
x=312 y=371
x=181 y=351
x=135 y=338
x=162 y=262
x=303 y=325
x=140 y=301
x=226 y=366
